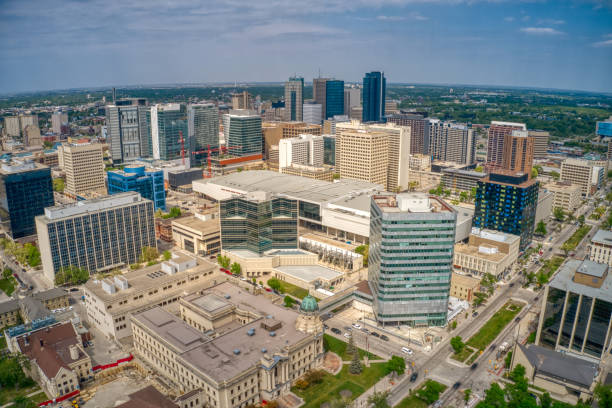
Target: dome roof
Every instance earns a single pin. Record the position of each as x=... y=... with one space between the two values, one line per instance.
x=309 y=304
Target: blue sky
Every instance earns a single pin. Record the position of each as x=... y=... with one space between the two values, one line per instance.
x=57 y=44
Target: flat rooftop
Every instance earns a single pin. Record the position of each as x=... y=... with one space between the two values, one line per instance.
x=474 y=251
x=417 y=203
x=603 y=237
x=302 y=188
x=309 y=273
x=493 y=235
x=357 y=204
x=95 y=204
x=564 y=279
x=171 y=328
x=194 y=223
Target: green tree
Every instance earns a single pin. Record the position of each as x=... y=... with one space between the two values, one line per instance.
x=603 y=395
x=289 y=301
x=494 y=398
x=457 y=344
x=508 y=360
x=167 y=255
x=148 y=254
x=541 y=228
x=32 y=255
x=534 y=172
x=379 y=399
x=7 y=273
x=274 y=284
x=555 y=175
x=21 y=401
x=518 y=373
x=479 y=169
x=363 y=250
x=546 y=400
x=355 y=367
x=395 y=364
x=350 y=347
x=223 y=261
x=559 y=214
x=430 y=393
x=71 y=275
x=58 y=185
x=466 y=395
x=236 y=269
x=473 y=192
x=454 y=325
x=463 y=196
x=581 y=220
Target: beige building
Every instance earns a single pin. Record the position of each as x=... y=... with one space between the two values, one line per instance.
x=601 y=247
x=487 y=251
x=463 y=286
x=313 y=172
x=420 y=162
x=231 y=347
x=58 y=362
x=31 y=136
x=580 y=172
x=39 y=304
x=11 y=126
x=84 y=168
x=110 y=302
x=242 y=100
x=540 y=143
x=362 y=155
x=200 y=237
x=565 y=195
x=273 y=132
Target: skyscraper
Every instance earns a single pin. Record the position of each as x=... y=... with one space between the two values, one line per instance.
x=167 y=123
x=203 y=130
x=84 y=167
x=305 y=149
x=244 y=133
x=25 y=191
x=374 y=92
x=128 y=130
x=419 y=130
x=334 y=98
x=412 y=237
x=495 y=145
x=319 y=93
x=506 y=201
x=148 y=182
x=518 y=152
x=451 y=142
x=59 y=119
x=242 y=100
x=313 y=113
x=540 y=143
x=363 y=155
x=294 y=99
x=352 y=98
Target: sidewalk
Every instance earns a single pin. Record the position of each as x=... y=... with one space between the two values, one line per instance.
x=383 y=384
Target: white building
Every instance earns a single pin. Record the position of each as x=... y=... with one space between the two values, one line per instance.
x=305 y=149
x=313 y=113
x=601 y=247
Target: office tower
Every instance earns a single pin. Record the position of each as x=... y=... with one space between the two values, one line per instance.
x=31 y=136
x=258 y=222
x=313 y=113
x=451 y=142
x=11 y=126
x=412 y=237
x=582 y=173
x=495 y=144
x=518 y=152
x=294 y=99
x=26 y=189
x=398 y=154
x=244 y=135
x=128 y=124
x=363 y=155
x=577 y=309
x=319 y=93
x=203 y=129
x=540 y=143
x=59 y=119
x=84 y=168
x=352 y=99
x=305 y=149
x=329 y=150
x=242 y=100
x=27 y=120
x=329 y=125
x=506 y=202
x=334 y=98
x=419 y=130
x=101 y=234
x=273 y=132
x=146 y=181
x=374 y=92
x=168 y=122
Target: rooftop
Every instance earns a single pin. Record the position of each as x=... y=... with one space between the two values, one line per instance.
x=603 y=237
x=19 y=166
x=477 y=252
x=148 y=397
x=96 y=204
x=309 y=273
x=410 y=203
x=564 y=279
x=493 y=235
x=194 y=223
x=172 y=329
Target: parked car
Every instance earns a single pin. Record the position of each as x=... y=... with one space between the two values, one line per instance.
x=474 y=366
x=375 y=334
x=325 y=326
x=365 y=330
x=356 y=325
x=384 y=337
x=414 y=377
x=474 y=314
x=335 y=330
x=456 y=385
x=408 y=351
x=347 y=335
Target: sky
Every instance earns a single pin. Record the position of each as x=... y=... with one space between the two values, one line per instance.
x=60 y=44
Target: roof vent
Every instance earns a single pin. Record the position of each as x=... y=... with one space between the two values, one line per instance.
x=236 y=351
x=264 y=350
x=227 y=296
x=272 y=334
x=251 y=332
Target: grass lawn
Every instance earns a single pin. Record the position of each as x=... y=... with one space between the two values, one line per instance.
x=2 y=343
x=551 y=265
x=9 y=394
x=329 y=389
x=494 y=326
x=8 y=285
x=414 y=401
x=473 y=358
x=40 y=397
x=573 y=241
x=339 y=347
x=465 y=353
x=293 y=290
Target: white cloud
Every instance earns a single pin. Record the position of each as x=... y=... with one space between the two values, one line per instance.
x=541 y=31
x=605 y=43
x=390 y=18
x=415 y=15
x=550 y=22
x=509 y=19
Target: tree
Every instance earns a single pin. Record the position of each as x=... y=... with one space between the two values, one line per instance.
x=494 y=397
x=363 y=250
x=21 y=401
x=148 y=254
x=430 y=393
x=546 y=401
x=473 y=192
x=581 y=220
x=7 y=273
x=58 y=185
x=466 y=395
x=603 y=395
x=396 y=364
x=463 y=196
x=289 y=301
x=457 y=344
x=541 y=228
x=454 y=325
x=518 y=373
x=488 y=283
x=236 y=269
x=274 y=284
x=555 y=175
x=508 y=359
x=379 y=399
x=355 y=367
x=32 y=255
x=559 y=214
x=350 y=347
x=479 y=169
x=71 y=275
x=534 y=172
x=167 y=255
x=224 y=261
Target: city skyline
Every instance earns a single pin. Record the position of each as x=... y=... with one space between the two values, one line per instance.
x=566 y=45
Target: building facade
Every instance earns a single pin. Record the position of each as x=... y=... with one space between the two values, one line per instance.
x=410 y=260
x=128 y=127
x=518 y=152
x=601 y=247
x=294 y=99
x=200 y=237
x=566 y=196
x=329 y=150
x=374 y=94
x=497 y=133
x=582 y=173
x=168 y=123
x=451 y=142
x=461 y=180
x=305 y=149
x=148 y=182
x=334 y=98
x=419 y=130
x=243 y=134
x=352 y=99
x=59 y=119
x=540 y=143
x=313 y=113
x=363 y=155
x=203 y=129
x=84 y=168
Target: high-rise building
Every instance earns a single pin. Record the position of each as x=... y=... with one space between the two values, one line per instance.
x=168 y=122
x=313 y=113
x=294 y=99
x=374 y=93
x=31 y=136
x=258 y=222
x=506 y=201
x=128 y=124
x=410 y=262
x=334 y=98
x=518 y=152
x=203 y=128
x=496 y=136
x=27 y=120
x=419 y=130
x=363 y=155
x=329 y=125
x=319 y=93
x=99 y=234
x=540 y=143
x=11 y=126
x=305 y=149
x=146 y=181
x=352 y=99
x=244 y=134
x=58 y=120
x=329 y=150
x=25 y=191
x=242 y=100
x=583 y=173
x=273 y=132
x=84 y=167
x=451 y=142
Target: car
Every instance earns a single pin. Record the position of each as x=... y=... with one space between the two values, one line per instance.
x=325 y=326
x=474 y=366
x=268 y=290
x=335 y=330
x=414 y=377
x=493 y=346
x=365 y=330
x=347 y=335
x=408 y=351
x=384 y=337
x=243 y=279
x=518 y=319
x=348 y=328
x=375 y=334
x=356 y=325
x=456 y=385
x=474 y=314
x=437 y=404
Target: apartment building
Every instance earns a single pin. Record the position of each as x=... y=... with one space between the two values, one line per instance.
x=273 y=132
x=566 y=195
x=518 y=152
x=461 y=180
x=487 y=251
x=230 y=347
x=84 y=167
x=540 y=143
x=363 y=155
x=497 y=133
x=601 y=247
x=200 y=237
x=583 y=173
x=305 y=149
x=110 y=302
x=419 y=131
x=451 y=142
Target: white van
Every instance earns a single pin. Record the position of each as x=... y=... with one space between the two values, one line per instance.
x=408 y=351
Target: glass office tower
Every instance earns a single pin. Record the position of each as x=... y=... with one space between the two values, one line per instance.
x=203 y=130
x=334 y=98
x=148 y=182
x=243 y=132
x=167 y=123
x=374 y=92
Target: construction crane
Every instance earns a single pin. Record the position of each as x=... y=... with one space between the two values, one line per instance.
x=209 y=151
x=182 y=142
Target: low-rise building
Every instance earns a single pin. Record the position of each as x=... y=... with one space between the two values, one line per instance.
x=149 y=397
x=32 y=307
x=252 y=350
x=460 y=180
x=601 y=247
x=487 y=251
x=313 y=172
x=200 y=237
x=111 y=301
x=463 y=286
x=565 y=195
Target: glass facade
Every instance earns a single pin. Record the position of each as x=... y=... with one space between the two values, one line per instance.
x=329 y=150
x=604 y=128
x=334 y=98
x=552 y=317
x=245 y=135
x=149 y=183
x=129 y=130
x=170 y=122
x=258 y=226
x=374 y=93
x=24 y=194
x=203 y=131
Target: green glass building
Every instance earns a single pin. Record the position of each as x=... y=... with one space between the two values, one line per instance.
x=258 y=222
x=168 y=121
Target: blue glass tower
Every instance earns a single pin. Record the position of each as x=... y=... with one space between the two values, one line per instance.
x=148 y=182
x=25 y=190
x=334 y=98
x=507 y=203
x=374 y=91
